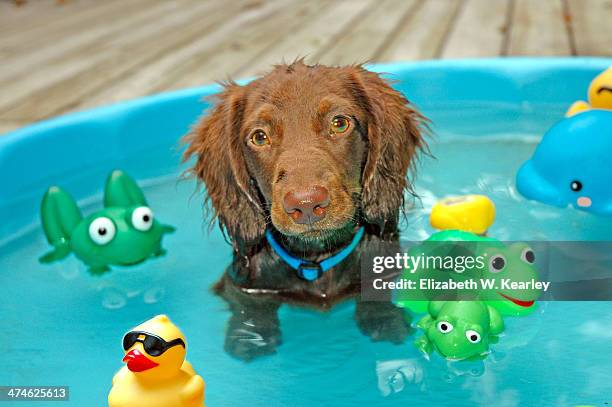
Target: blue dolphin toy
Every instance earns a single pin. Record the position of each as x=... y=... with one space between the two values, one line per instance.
x=572 y=165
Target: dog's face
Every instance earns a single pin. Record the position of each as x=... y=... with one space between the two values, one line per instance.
x=313 y=150
x=305 y=146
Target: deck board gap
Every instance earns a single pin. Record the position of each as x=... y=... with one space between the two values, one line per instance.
x=449 y=29
x=343 y=33
x=505 y=46
x=393 y=34
x=569 y=26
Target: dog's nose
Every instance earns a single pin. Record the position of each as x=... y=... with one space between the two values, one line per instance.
x=307 y=205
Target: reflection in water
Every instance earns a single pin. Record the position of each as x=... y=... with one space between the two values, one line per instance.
x=395 y=375
x=463 y=368
x=118 y=294
x=114 y=289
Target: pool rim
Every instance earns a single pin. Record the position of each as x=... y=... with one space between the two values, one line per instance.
x=515 y=64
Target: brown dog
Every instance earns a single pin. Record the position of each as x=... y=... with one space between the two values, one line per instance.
x=312 y=155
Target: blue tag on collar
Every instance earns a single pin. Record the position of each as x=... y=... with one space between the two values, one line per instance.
x=309 y=270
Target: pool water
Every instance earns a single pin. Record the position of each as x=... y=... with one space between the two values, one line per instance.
x=63 y=326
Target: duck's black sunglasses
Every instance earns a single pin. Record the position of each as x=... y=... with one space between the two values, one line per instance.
x=153 y=344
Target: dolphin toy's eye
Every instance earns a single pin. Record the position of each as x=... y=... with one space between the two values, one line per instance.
x=497 y=263
x=445 y=327
x=528 y=256
x=142 y=218
x=472 y=336
x=576 y=186
x=102 y=230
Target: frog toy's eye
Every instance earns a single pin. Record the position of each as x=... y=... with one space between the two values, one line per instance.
x=472 y=336
x=445 y=327
x=497 y=263
x=102 y=230
x=528 y=256
x=142 y=218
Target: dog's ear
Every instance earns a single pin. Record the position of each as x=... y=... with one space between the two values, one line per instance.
x=215 y=142
x=394 y=134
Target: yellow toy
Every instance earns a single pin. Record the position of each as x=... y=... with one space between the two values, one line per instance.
x=157 y=374
x=600 y=95
x=469 y=213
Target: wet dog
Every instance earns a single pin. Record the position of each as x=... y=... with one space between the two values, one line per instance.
x=306 y=170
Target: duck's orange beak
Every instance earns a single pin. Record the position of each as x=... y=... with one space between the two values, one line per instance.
x=138 y=362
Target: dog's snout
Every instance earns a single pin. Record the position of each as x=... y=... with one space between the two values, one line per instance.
x=306 y=206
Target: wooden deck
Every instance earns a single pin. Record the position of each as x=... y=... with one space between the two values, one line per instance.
x=56 y=58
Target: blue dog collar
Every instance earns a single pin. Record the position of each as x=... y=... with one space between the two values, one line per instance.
x=310 y=270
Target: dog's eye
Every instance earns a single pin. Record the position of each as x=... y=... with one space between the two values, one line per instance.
x=339 y=125
x=260 y=138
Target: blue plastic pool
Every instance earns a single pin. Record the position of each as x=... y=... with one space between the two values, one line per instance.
x=62 y=326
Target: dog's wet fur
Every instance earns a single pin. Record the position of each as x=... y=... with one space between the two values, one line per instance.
x=311 y=153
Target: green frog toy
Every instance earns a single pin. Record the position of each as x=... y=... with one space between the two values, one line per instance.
x=495 y=261
x=459 y=330
x=124 y=232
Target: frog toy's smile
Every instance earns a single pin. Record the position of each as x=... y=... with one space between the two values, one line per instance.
x=124 y=233
x=516 y=301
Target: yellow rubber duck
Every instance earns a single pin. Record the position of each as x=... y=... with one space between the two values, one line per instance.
x=469 y=213
x=600 y=95
x=156 y=374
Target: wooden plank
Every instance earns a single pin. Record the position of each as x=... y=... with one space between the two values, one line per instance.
x=592 y=26
x=67 y=20
x=478 y=31
x=311 y=37
x=16 y=17
x=154 y=76
x=11 y=14
x=422 y=33
x=52 y=26
x=143 y=45
x=538 y=28
x=228 y=54
x=363 y=40
x=89 y=52
x=44 y=57
x=61 y=70
x=70 y=23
